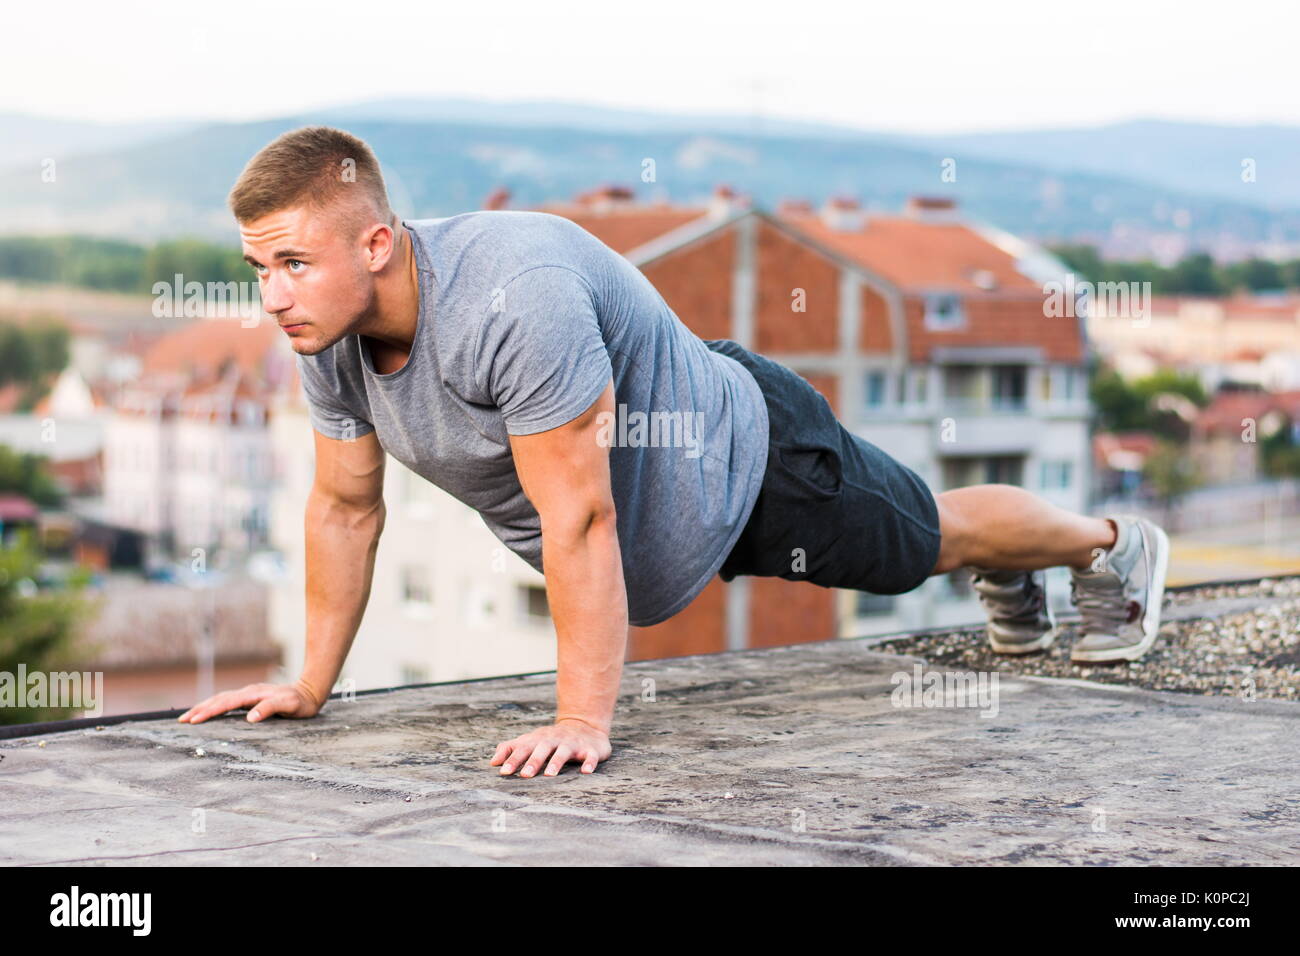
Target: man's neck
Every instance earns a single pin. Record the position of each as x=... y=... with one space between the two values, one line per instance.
x=391 y=330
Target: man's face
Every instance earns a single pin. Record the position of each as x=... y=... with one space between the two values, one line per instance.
x=314 y=277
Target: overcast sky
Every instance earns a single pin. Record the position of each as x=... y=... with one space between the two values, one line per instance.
x=915 y=65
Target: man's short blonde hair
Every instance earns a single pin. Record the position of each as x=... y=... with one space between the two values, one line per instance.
x=328 y=170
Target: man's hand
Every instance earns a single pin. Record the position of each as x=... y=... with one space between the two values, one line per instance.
x=288 y=700
x=568 y=739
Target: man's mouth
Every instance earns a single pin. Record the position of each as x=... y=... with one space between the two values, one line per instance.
x=293 y=327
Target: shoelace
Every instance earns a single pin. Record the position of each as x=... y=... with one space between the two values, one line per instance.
x=1101 y=604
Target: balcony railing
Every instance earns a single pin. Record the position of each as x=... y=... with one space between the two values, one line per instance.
x=983 y=406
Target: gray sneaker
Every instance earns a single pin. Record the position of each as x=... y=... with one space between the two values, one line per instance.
x=1020 y=620
x=1120 y=600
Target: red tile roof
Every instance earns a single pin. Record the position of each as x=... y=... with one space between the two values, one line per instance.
x=1226 y=411
x=926 y=250
x=17 y=508
x=625 y=229
x=1256 y=308
x=1107 y=447
x=917 y=255
x=11 y=394
x=201 y=347
x=1239 y=307
x=611 y=213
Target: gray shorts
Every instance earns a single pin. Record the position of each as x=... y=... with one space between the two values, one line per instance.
x=833 y=509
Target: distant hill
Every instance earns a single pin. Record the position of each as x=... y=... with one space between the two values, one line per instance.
x=573 y=115
x=1195 y=158
x=445 y=156
x=29 y=140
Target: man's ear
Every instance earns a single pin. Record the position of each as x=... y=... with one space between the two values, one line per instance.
x=379 y=240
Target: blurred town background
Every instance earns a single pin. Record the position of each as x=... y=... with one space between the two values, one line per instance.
x=1107 y=315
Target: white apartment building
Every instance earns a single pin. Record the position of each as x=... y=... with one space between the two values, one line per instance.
x=447 y=602
x=190 y=466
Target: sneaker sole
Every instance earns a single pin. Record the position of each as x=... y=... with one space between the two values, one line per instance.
x=1024 y=647
x=1150 y=620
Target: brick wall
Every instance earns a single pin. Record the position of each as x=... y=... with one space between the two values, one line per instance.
x=783 y=266
x=696 y=284
x=997 y=320
x=700 y=629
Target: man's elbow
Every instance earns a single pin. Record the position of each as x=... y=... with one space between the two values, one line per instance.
x=579 y=524
x=365 y=516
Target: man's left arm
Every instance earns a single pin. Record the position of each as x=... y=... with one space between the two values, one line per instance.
x=565 y=474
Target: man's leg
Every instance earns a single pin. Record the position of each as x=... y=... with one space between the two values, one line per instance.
x=1008 y=536
x=1004 y=526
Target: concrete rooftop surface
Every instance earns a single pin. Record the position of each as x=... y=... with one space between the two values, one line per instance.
x=783 y=756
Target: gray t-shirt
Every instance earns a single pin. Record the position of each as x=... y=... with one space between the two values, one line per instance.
x=524 y=318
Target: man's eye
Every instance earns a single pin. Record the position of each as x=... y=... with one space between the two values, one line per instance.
x=298 y=261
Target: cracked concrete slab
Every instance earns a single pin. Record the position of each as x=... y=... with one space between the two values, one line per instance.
x=782 y=756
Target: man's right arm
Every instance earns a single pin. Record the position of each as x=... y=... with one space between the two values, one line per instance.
x=345 y=516
x=343 y=521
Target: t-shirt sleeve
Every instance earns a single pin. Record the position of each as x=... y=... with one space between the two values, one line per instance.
x=327 y=408
x=541 y=355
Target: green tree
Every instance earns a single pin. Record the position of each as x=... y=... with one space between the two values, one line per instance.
x=1125 y=406
x=52 y=344
x=1290 y=272
x=25 y=474
x=1181 y=394
x=38 y=631
x=1170 y=472
x=1119 y=406
x=1279 y=451
x=1081 y=259
x=1196 y=275
x=31 y=355
x=1255 y=275
x=1186 y=384
x=115 y=265
x=196 y=261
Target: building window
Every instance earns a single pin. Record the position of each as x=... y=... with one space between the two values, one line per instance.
x=877 y=382
x=1003 y=470
x=415 y=584
x=962 y=384
x=1045 y=376
x=532 y=602
x=921 y=377
x=1055 y=474
x=961 y=471
x=943 y=311
x=1009 y=387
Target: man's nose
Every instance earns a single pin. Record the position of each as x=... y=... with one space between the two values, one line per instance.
x=275 y=297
